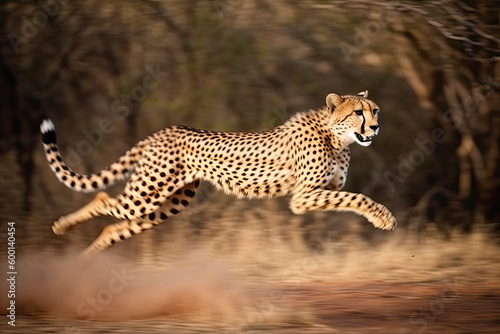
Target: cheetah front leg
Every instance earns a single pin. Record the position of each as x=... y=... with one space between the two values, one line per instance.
x=123 y=230
x=320 y=199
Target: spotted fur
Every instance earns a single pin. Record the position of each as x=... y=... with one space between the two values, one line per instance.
x=307 y=157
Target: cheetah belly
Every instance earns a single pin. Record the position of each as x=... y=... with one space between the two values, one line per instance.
x=251 y=182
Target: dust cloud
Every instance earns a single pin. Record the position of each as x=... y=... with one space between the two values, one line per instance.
x=109 y=287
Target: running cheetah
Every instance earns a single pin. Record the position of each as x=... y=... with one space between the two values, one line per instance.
x=307 y=157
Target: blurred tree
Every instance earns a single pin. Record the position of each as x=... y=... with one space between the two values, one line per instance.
x=449 y=52
x=249 y=64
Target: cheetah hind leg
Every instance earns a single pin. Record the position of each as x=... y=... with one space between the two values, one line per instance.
x=123 y=230
x=89 y=211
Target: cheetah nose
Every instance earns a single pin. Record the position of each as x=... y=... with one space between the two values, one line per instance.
x=374 y=127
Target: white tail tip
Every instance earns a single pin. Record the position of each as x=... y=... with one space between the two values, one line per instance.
x=47 y=126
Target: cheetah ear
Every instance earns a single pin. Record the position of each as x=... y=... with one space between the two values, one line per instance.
x=363 y=94
x=334 y=100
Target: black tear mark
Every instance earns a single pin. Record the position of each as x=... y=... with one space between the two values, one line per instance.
x=363 y=124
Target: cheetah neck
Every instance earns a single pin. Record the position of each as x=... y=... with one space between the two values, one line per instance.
x=319 y=121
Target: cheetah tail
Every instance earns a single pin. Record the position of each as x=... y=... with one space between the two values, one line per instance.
x=117 y=171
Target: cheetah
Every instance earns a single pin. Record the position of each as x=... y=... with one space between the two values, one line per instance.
x=306 y=157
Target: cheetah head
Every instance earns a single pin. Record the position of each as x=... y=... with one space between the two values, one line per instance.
x=354 y=118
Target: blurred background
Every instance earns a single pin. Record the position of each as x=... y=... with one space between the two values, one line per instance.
x=109 y=73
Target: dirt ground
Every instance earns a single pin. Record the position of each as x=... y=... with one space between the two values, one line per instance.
x=333 y=307
x=381 y=307
x=247 y=277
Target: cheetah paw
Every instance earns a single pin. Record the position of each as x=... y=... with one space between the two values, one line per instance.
x=384 y=220
x=58 y=229
x=389 y=224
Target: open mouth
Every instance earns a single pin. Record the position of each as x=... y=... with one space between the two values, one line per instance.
x=362 y=140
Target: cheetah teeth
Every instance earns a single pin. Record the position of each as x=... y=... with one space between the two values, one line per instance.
x=363 y=139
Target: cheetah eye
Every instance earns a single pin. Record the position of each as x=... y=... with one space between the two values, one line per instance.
x=358 y=112
x=375 y=111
